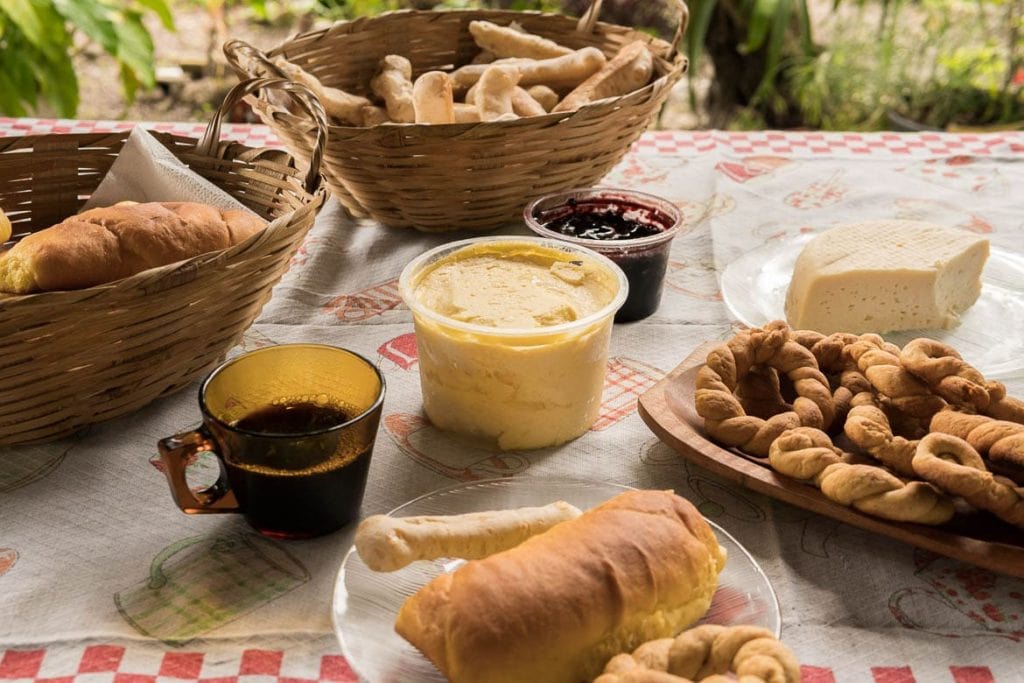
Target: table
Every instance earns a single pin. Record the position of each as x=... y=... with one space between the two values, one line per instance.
x=87 y=522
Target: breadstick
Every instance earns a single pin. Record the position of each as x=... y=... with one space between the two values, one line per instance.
x=466 y=113
x=559 y=73
x=393 y=84
x=563 y=72
x=547 y=97
x=484 y=57
x=432 y=98
x=337 y=103
x=465 y=77
x=523 y=104
x=503 y=41
x=493 y=96
x=386 y=544
x=5 y=227
x=629 y=70
x=374 y=115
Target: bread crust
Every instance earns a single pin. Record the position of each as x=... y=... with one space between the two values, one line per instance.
x=643 y=565
x=106 y=244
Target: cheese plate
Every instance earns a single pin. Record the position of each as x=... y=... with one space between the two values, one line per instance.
x=754 y=291
x=668 y=409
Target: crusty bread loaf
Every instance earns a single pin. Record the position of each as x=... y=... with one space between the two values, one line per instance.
x=641 y=566
x=110 y=243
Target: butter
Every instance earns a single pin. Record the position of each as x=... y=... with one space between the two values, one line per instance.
x=511 y=286
x=884 y=276
x=530 y=371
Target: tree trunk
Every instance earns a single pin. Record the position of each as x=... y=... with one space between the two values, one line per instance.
x=738 y=75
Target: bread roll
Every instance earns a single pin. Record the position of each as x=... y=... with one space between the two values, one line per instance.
x=110 y=243
x=641 y=566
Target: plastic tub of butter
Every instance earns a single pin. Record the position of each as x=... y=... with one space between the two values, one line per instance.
x=513 y=336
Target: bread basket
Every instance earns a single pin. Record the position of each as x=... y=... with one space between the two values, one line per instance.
x=459 y=176
x=73 y=358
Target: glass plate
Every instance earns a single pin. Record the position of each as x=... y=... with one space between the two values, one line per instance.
x=367 y=602
x=988 y=336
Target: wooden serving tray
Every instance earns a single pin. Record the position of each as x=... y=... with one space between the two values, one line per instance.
x=668 y=409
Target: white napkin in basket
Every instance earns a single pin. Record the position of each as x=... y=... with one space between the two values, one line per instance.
x=146 y=171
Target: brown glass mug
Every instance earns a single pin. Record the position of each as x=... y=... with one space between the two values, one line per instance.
x=293 y=428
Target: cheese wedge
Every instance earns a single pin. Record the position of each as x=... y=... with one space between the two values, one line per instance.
x=883 y=276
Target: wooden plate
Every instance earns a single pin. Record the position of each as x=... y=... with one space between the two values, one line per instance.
x=668 y=409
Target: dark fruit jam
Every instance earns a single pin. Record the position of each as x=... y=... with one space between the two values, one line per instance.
x=617 y=220
x=297 y=483
x=605 y=219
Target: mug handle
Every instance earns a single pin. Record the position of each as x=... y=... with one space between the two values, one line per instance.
x=175 y=452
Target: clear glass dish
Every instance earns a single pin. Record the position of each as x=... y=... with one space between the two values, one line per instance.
x=367 y=602
x=988 y=336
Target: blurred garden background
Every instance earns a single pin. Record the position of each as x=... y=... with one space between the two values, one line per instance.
x=790 y=64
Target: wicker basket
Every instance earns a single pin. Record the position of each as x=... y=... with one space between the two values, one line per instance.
x=70 y=359
x=459 y=176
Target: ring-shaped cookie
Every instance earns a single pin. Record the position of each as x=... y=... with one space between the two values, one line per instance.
x=706 y=653
x=946 y=372
x=883 y=368
x=954 y=466
x=725 y=418
x=808 y=454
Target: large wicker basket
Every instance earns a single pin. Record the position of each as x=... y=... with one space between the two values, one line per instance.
x=459 y=176
x=70 y=359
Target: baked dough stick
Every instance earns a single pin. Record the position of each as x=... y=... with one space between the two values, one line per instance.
x=337 y=103
x=387 y=544
x=374 y=115
x=106 y=244
x=523 y=104
x=466 y=113
x=555 y=608
x=432 y=98
x=493 y=94
x=5 y=227
x=547 y=97
x=629 y=70
x=559 y=73
x=503 y=41
x=393 y=84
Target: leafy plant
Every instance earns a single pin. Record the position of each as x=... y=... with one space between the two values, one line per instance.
x=38 y=37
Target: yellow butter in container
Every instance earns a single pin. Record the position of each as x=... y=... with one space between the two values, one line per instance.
x=513 y=337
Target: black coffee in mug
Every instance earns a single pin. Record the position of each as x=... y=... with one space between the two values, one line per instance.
x=294 y=427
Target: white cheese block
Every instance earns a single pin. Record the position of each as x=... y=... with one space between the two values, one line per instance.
x=882 y=276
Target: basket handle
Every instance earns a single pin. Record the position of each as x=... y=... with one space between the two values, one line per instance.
x=241 y=55
x=588 y=21
x=305 y=98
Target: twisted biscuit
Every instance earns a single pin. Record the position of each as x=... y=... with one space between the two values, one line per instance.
x=882 y=366
x=725 y=418
x=953 y=465
x=1003 y=407
x=946 y=373
x=833 y=360
x=867 y=426
x=705 y=653
x=1001 y=441
x=808 y=454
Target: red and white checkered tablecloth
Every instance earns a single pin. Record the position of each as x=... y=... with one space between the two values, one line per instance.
x=856 y=608
x=656 y=142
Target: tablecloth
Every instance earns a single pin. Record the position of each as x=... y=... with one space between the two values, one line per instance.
x=86 y=523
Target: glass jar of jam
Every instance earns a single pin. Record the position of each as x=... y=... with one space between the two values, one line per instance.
x=633 y=229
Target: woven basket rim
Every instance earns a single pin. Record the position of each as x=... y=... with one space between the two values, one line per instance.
x=131 y=282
